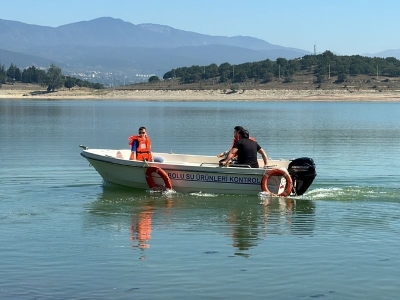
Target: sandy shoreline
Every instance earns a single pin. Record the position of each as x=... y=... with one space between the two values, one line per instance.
x=206 y=95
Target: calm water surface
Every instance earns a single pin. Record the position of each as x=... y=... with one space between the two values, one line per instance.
x=66 y=235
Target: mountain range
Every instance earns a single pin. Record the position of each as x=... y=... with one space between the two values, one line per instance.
x=112 y=50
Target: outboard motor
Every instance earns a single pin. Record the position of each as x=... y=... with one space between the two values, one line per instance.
x=302 y=171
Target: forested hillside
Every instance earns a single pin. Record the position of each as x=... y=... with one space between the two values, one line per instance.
x=52 y=78
x=323 y=71
x=311 y=71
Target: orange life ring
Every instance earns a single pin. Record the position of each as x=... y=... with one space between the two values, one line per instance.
x=278 y=172
x=161 y=173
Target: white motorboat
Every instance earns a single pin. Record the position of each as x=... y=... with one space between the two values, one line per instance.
x=198 y=173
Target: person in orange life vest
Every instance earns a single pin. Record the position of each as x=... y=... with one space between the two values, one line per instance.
x=140 y=146
x=246 y=150
x=236 y=137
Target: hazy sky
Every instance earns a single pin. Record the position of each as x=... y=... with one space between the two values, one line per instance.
x=345 y=27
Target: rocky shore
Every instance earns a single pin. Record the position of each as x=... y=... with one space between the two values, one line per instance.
x=204 y=95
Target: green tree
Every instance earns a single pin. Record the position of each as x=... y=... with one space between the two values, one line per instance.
x=18 y=74
x=29 y=75
x=288 y=79
x=11 y=72
x=98 y=86
x=341 y=78
x=153 y=79
x=69 y=82
x=3 y=74
x=268 y=77
x=240 y=77
x=223 y=78
x=211 y=71
x=224 y=70
x=191 y=78
x=282 y=62
x=41 y=77
x=54 y=78
x=320 y=78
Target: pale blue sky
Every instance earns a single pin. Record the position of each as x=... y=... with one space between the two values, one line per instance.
x=343 y=26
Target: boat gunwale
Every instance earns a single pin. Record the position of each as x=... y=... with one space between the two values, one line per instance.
x=182 y=167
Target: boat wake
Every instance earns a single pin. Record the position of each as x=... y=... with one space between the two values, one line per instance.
x=352 y=193
x=163 y=192
x=200 y=194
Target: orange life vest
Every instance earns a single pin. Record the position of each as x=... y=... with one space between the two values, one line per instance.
x=143 y=150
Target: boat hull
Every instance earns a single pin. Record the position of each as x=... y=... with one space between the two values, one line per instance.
x=187 y=173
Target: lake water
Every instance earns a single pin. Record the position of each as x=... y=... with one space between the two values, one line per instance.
x=66 y=235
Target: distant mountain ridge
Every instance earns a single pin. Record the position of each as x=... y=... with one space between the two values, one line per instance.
x=112 y=32
x=386 y=53
x=121 y=49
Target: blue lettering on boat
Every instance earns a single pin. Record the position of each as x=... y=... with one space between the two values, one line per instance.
x=176 y=176
x=214 y=178
x=189 y=176
x=206 y=177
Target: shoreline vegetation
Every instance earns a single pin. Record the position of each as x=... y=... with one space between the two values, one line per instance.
x=322 y=77
x=33 y=92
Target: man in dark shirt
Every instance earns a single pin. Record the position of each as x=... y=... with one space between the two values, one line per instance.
x=246 y=150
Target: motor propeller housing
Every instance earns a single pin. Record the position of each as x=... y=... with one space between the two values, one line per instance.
x=303 y=172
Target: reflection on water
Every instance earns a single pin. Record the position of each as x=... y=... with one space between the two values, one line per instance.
x=289 y=216
x=247 y=221
x=141 y=227
x=141 y=222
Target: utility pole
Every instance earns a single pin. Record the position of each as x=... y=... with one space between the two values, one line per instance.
x=329 y=71
x=377 y=74
x=233 y=73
